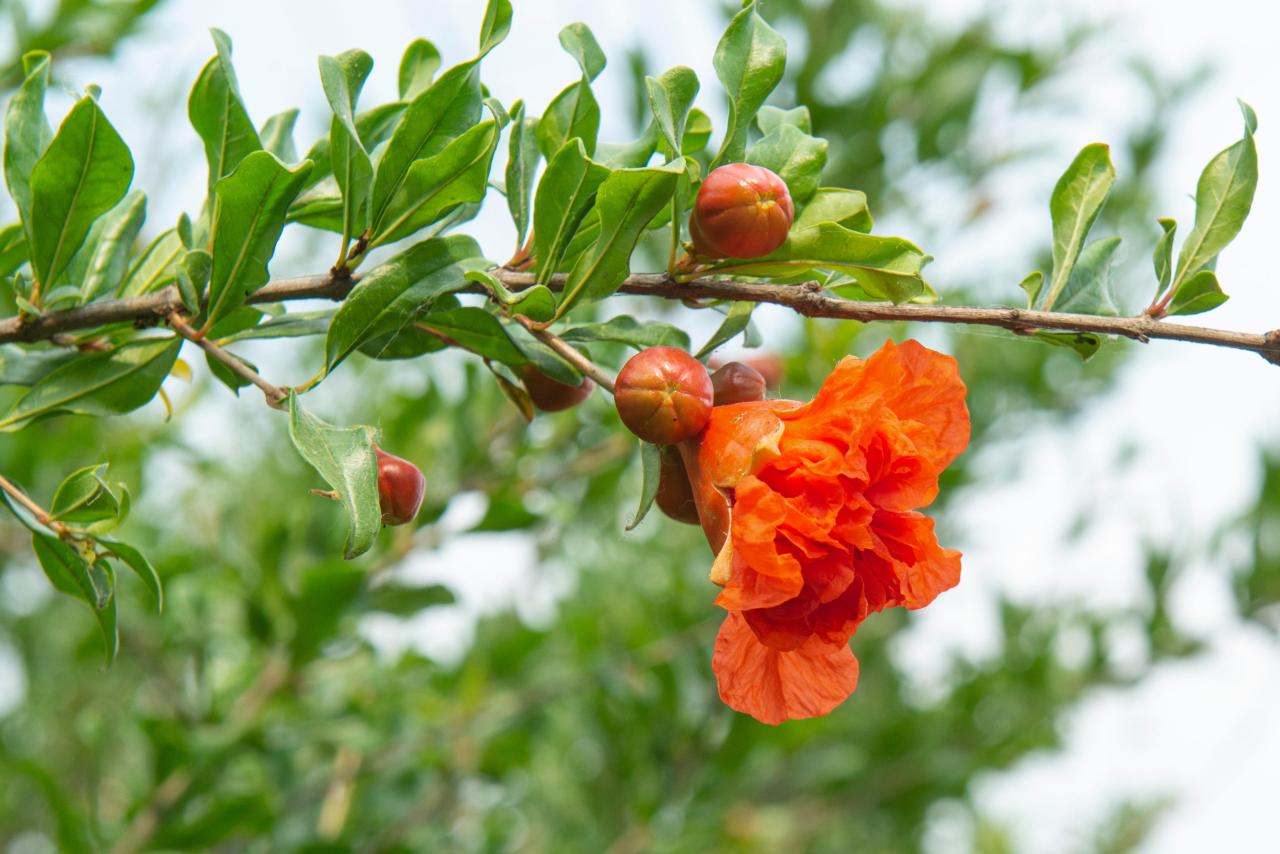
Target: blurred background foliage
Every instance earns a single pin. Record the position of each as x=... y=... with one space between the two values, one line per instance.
x=256 y=714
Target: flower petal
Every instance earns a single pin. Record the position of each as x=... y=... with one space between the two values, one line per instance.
x=924 y=568
x=774 y=686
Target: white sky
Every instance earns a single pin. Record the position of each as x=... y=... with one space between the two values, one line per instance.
x=1204 y=730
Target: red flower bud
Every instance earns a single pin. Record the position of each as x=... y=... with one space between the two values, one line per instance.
x=664 y=395
x=737 y=383
x=551 y=395
x=742 y=211
x=675 y=495
x=400 y=488
x=770 y=366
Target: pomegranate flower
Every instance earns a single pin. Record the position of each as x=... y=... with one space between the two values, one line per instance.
x=811 y=510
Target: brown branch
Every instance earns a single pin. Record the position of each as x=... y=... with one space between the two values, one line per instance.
x=806 y=299
x=274 y=394
x=568 y=353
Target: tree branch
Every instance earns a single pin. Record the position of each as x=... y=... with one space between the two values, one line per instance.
x=275 y=395
x=568 y=353
x=807 y=299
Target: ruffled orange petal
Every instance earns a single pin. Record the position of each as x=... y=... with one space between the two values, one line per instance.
x=774 y=686
x=924 y=569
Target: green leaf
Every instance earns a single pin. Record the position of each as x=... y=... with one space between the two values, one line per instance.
x=1076 y=201
x=629 y=155
x=1224 y=196
x=218 y=114
x=522 y=166
x=572 y=114
x=294 y=324
x=92 y=584
x=276 y=135
x=418 y=68
x=650 y=468
x=84 y=496
x=626 y=201
x=536 y=303
x=1162 y=258
x=769 y=119
x=542 y=357
x=749 y=61
x=343 y=77
x=1085 y=344
x=20 y=366
x=795 y=156
x=446 y=110
x=375 y=126
x=833 y=204
x=229 y=378
x=476 y=330
x=1089 y=290
x=100 y=265
x=579 y=42
x=1032 y=284
x=248 y=215
x=565 y=194
x=397 y=291
x=26 y=132
x=154 y=267
x=83 y=173
x=1197 y=294
x=193 y=273
x=344 y=458
x=434 y=186
x=625 y=329
x=141 y=567
x=883 y=267
x=402 y=600
x=107 y=383
x=735 y=322
x=13 y=249
x=495 y=26
x=697 y=132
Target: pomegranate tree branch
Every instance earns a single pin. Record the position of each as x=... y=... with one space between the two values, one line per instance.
x=807 y=299
x=568 y=353
x=275 y=395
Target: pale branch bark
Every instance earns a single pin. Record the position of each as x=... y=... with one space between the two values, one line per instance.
x=274 y=394
x=807 y=299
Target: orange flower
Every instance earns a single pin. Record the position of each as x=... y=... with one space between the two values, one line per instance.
x=810 y=509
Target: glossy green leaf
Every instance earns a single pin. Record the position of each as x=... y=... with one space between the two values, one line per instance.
x=343 y=77
x=1077 y=199
x=20 y=366
x=397 y=291
x=26 y=132
x=476 y=330
x=573 y=113
x=1162 y=258
x=834 y=204
x=650 y=468
x=625 y=329
x=435 y=185
x=735 y=323
x=84 y=172
x=344 y=458
x=192 y=273
x=84 y=496
x=1197 y=294
x=795 y=156
x=536 y=303
x=99 y=267
x=107 y=383
x=522 y=167
x=218 y=114
x=495 y=26
x=769 y=119
x=565 y=193
x=749 y=61
x=697 y=132
x=92 y=584
x=375 y=126
x=248 y=215
x=418 y=68
x=1090 y=290
x=276 y=135
x=626 y=201
x=141 y=567
x=1224 y=196
x=154 y=267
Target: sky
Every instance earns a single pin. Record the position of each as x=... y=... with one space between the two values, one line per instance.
x=1204 y=730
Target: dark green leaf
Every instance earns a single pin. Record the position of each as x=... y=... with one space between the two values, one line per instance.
x=650 y=467
x=106 y=383
x=1197 y=294
x=94 y=585
x=1089 y=290
x=795 y=156
x=229 y=378
x=749 y=61
x=19 y=366
x=344 y=458
x=13 y=249
x=26 y=132
x=476 y=330
x=276 y=134
x=218 y=114
x=542 y=357
x=1077 y=199
x=343 y=77
x=418 y=68
x=625 y=329
x=83 y=173
x=735 y=322
x=83 y=497
x=522 y=166
x=249 y=212
x=141 y=567
x=565 y=194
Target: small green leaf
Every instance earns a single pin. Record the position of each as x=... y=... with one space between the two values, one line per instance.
x=1089 y=290
x=193 y=273
x=749 y=61
x=418 y=68
x=248 y=215
x=626 y=201
x=26 y=132
x=625 y=329
x=141 y=567
x=476 y=330
x=542 y=357
x=92 y=584
x=795 y=156
x=107 y=383
x=1076 y=201
x=1085 y=344
x=671 y=97
x=565 y=193
x=1197 y=294
x=99 y=266
x=84 y=496
x=735 y=322
x=1224 y=196
x=579 y=42
x=343 y=77
x=294 y=324
x=833 y=204
x=229 y=378
x=154 y=267
x=218 y=114
x=1162 y=258
x=1032 y=285
x=397 y=291
x=769 y=119
x=697 y=132
x=522 y=166
x=84 y=172
x=13 y=249
x=495 y=26
x=536 y=303
x=404 y=600
x=650 y=468
x=512 y=391
x=344 y=458
x=276 y=134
